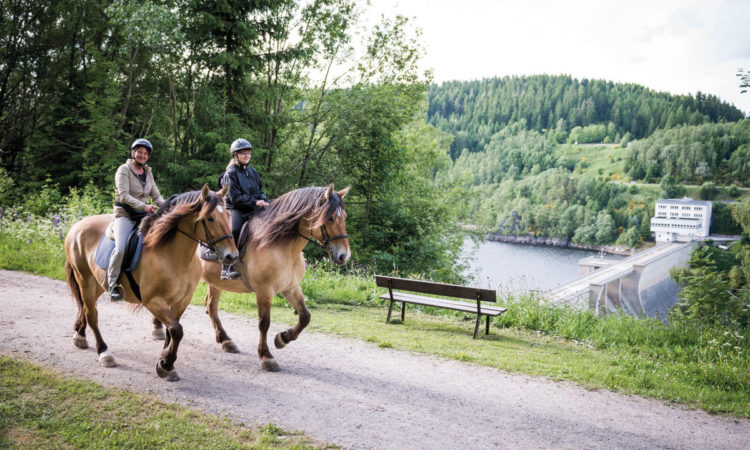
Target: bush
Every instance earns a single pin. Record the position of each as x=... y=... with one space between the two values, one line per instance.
x=709 y=191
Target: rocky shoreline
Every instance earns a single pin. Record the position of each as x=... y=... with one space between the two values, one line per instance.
x=557 y=242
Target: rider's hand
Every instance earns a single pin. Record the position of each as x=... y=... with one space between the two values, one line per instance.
x=150 y=209
x=261 y=203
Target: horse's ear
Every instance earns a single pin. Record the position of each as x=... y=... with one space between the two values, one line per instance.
x=327 y=194
x=204 y=192
x=223 y=191
x=343 y=192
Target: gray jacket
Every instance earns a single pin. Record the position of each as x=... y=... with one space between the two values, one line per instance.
x=130 y=191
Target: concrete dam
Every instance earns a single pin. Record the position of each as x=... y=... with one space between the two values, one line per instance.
x=639 y=285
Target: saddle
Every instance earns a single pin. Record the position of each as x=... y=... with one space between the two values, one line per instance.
x=132 y=254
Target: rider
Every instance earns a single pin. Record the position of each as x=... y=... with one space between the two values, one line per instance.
x=134 y=183
x=246 y=194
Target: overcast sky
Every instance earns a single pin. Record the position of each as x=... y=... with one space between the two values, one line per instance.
x=678 y=46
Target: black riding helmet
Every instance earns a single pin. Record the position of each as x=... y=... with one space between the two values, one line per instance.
x=142 y=143
x=239 y=145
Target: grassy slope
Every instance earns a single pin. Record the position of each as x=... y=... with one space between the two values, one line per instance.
x=41 y=408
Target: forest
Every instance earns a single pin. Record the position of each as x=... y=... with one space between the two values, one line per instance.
x=321 y=97
x=324 y=98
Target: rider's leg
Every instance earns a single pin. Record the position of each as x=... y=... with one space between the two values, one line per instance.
x=227 y=272
x=122 y=228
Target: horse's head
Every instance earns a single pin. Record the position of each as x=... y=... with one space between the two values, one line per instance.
x=330 y=226
x=213 y=225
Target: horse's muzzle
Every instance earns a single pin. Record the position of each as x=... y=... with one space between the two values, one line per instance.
x=340 y=256
x=228 y=258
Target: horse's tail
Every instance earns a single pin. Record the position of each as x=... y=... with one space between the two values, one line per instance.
x=75 y=289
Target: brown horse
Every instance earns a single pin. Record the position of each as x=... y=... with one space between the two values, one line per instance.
x=167 y=272
x=273 y=262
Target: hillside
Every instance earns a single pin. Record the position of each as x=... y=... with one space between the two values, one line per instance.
x=474 y=111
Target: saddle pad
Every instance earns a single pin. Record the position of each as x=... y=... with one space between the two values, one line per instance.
x=132 y=252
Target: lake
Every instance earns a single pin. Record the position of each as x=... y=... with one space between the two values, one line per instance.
x=514 y=267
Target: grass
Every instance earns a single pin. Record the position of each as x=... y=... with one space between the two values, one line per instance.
x=41 y=408
x=683 y=362
x=606 y=160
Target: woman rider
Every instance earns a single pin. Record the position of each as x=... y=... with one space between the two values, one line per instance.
x=134 y=183
x=246 y=194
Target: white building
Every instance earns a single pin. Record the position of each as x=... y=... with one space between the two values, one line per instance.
x=681 y=220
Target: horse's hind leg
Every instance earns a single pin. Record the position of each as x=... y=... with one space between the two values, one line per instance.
x=91 y=292
x=79 y=338
x=72 y=277
x=296 y=298
x=264 y=322
x=212 y=309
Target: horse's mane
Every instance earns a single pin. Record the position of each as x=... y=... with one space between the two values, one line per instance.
x=161 y=227
x=278 y=221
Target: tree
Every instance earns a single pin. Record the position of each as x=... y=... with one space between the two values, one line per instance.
x=605 y=229
x=670 y=188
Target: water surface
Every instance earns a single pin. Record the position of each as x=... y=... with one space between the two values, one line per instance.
x=515 y=267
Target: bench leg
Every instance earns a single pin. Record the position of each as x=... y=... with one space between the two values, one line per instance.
x=390 y=309
x=488 y=325
x=476 y=327
x=403 y=309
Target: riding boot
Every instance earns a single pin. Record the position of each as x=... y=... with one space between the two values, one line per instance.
x=115 y=293
x=228 y=273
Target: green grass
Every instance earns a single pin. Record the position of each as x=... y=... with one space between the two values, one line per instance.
x=606 y=160
x=41 y=408
x=684 y=362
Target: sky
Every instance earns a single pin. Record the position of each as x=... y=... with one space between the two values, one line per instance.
x=676 y=46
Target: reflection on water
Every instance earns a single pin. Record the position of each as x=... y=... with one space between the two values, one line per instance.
x=515 y=268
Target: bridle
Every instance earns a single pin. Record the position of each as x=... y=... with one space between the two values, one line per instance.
x=211 y=245
x=325 y=241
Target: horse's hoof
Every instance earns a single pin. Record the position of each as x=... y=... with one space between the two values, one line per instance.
x=106 y=359
x=158 y=334
x=168 y=375
x=80 y=341
x=270 y=365
x=278 y=341
x=229 y=347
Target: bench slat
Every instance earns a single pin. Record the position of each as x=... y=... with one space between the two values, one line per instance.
x=429 y=287
x=444 y=303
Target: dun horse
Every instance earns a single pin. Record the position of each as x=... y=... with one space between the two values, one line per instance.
x=167 y=272
x=273 y=261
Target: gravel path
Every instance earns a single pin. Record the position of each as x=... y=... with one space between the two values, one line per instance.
x=344 y=391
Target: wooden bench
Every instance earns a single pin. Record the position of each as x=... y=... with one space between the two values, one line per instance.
x=447 y=290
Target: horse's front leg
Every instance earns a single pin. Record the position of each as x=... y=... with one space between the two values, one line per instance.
x=264 y=322
x=165 y=366
x=212 y=309
x=296 y=298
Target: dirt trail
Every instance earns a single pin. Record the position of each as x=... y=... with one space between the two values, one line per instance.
x=348 y=392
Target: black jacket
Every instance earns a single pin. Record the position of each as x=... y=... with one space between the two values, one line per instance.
x=245 y=188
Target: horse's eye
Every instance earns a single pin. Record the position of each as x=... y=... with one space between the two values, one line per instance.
x=210 y=219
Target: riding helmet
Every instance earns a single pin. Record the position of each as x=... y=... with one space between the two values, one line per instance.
x=240 y=144
x=142 y=143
